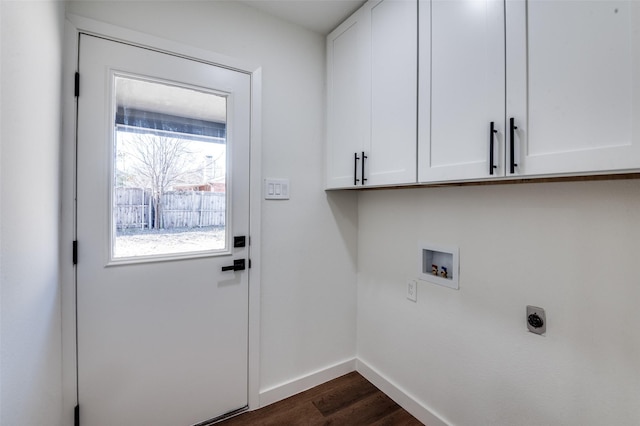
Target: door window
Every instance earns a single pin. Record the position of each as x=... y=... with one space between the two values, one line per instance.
x=170 y=191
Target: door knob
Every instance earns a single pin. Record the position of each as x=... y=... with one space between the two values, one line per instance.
x=238 y=265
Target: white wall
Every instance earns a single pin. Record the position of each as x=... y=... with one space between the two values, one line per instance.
x=30 y=356
x=1 y=62
x=571 y=248
x=308 y=251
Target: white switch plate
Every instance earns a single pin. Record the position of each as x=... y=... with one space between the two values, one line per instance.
x=412 y=290
x=276 y=189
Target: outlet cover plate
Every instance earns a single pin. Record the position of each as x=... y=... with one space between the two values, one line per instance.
x=412 y=290
x=536 y=320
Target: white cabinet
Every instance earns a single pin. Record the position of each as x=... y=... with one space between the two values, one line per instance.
x=575 y=95
x=559 y=80
x=372 y=102
x=467 y=90
x=347 y=100
x=394 y=84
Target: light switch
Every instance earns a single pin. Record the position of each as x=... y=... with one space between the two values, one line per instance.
x=276 y=189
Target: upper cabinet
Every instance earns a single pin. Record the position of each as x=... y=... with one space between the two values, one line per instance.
x=372 y=96
x=511 y=88
x=347 y=100
x=573 y=86
x=464 y=62
x=529 y=88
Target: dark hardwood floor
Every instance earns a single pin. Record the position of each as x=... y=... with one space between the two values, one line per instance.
x=348 y=400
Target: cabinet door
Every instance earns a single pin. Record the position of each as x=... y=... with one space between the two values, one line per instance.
x=391 y=155
x=347 y=102
x=573 y=85
x=466 y=62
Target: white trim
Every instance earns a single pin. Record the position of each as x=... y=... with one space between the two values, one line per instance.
x=402 y=398
x=255 y=233
x=67 y=226
x=301 y=384
x=124 y=35
x=1 y=145
x=75 y=25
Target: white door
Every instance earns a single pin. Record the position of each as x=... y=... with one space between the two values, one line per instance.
x=573 y=89
x=466 y=63
x=162 y=190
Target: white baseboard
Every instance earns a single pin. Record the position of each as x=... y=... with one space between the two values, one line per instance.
x=301 y=384
x=403 y=399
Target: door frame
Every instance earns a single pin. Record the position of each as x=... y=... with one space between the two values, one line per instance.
x=74 y=25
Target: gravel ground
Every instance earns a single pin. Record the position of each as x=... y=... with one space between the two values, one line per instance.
x=144 y=243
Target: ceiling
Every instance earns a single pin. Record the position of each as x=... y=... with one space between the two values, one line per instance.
x=320 y=16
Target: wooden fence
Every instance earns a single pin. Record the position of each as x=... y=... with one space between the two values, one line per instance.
x=132 y=208
x=193 y=209
x=179 y=209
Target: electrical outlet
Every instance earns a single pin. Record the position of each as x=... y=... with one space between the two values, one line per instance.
x=412 y=290
x=536 y=320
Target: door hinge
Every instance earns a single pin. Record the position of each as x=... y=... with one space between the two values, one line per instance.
x=249 y=263
x=75 y=252
x=76 y=416
x=77 y=85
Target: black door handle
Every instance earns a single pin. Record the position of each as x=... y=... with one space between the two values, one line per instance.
x=492 y=130
x=512 y=155
x=355 y=168
x=362 y=176
x=238 y=265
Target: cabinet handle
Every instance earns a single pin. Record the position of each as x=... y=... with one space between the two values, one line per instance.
x=492 y=131
x=355 y=168
x=363 y=158
x=512 y=156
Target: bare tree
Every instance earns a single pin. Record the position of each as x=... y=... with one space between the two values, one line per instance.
x=158 y=162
